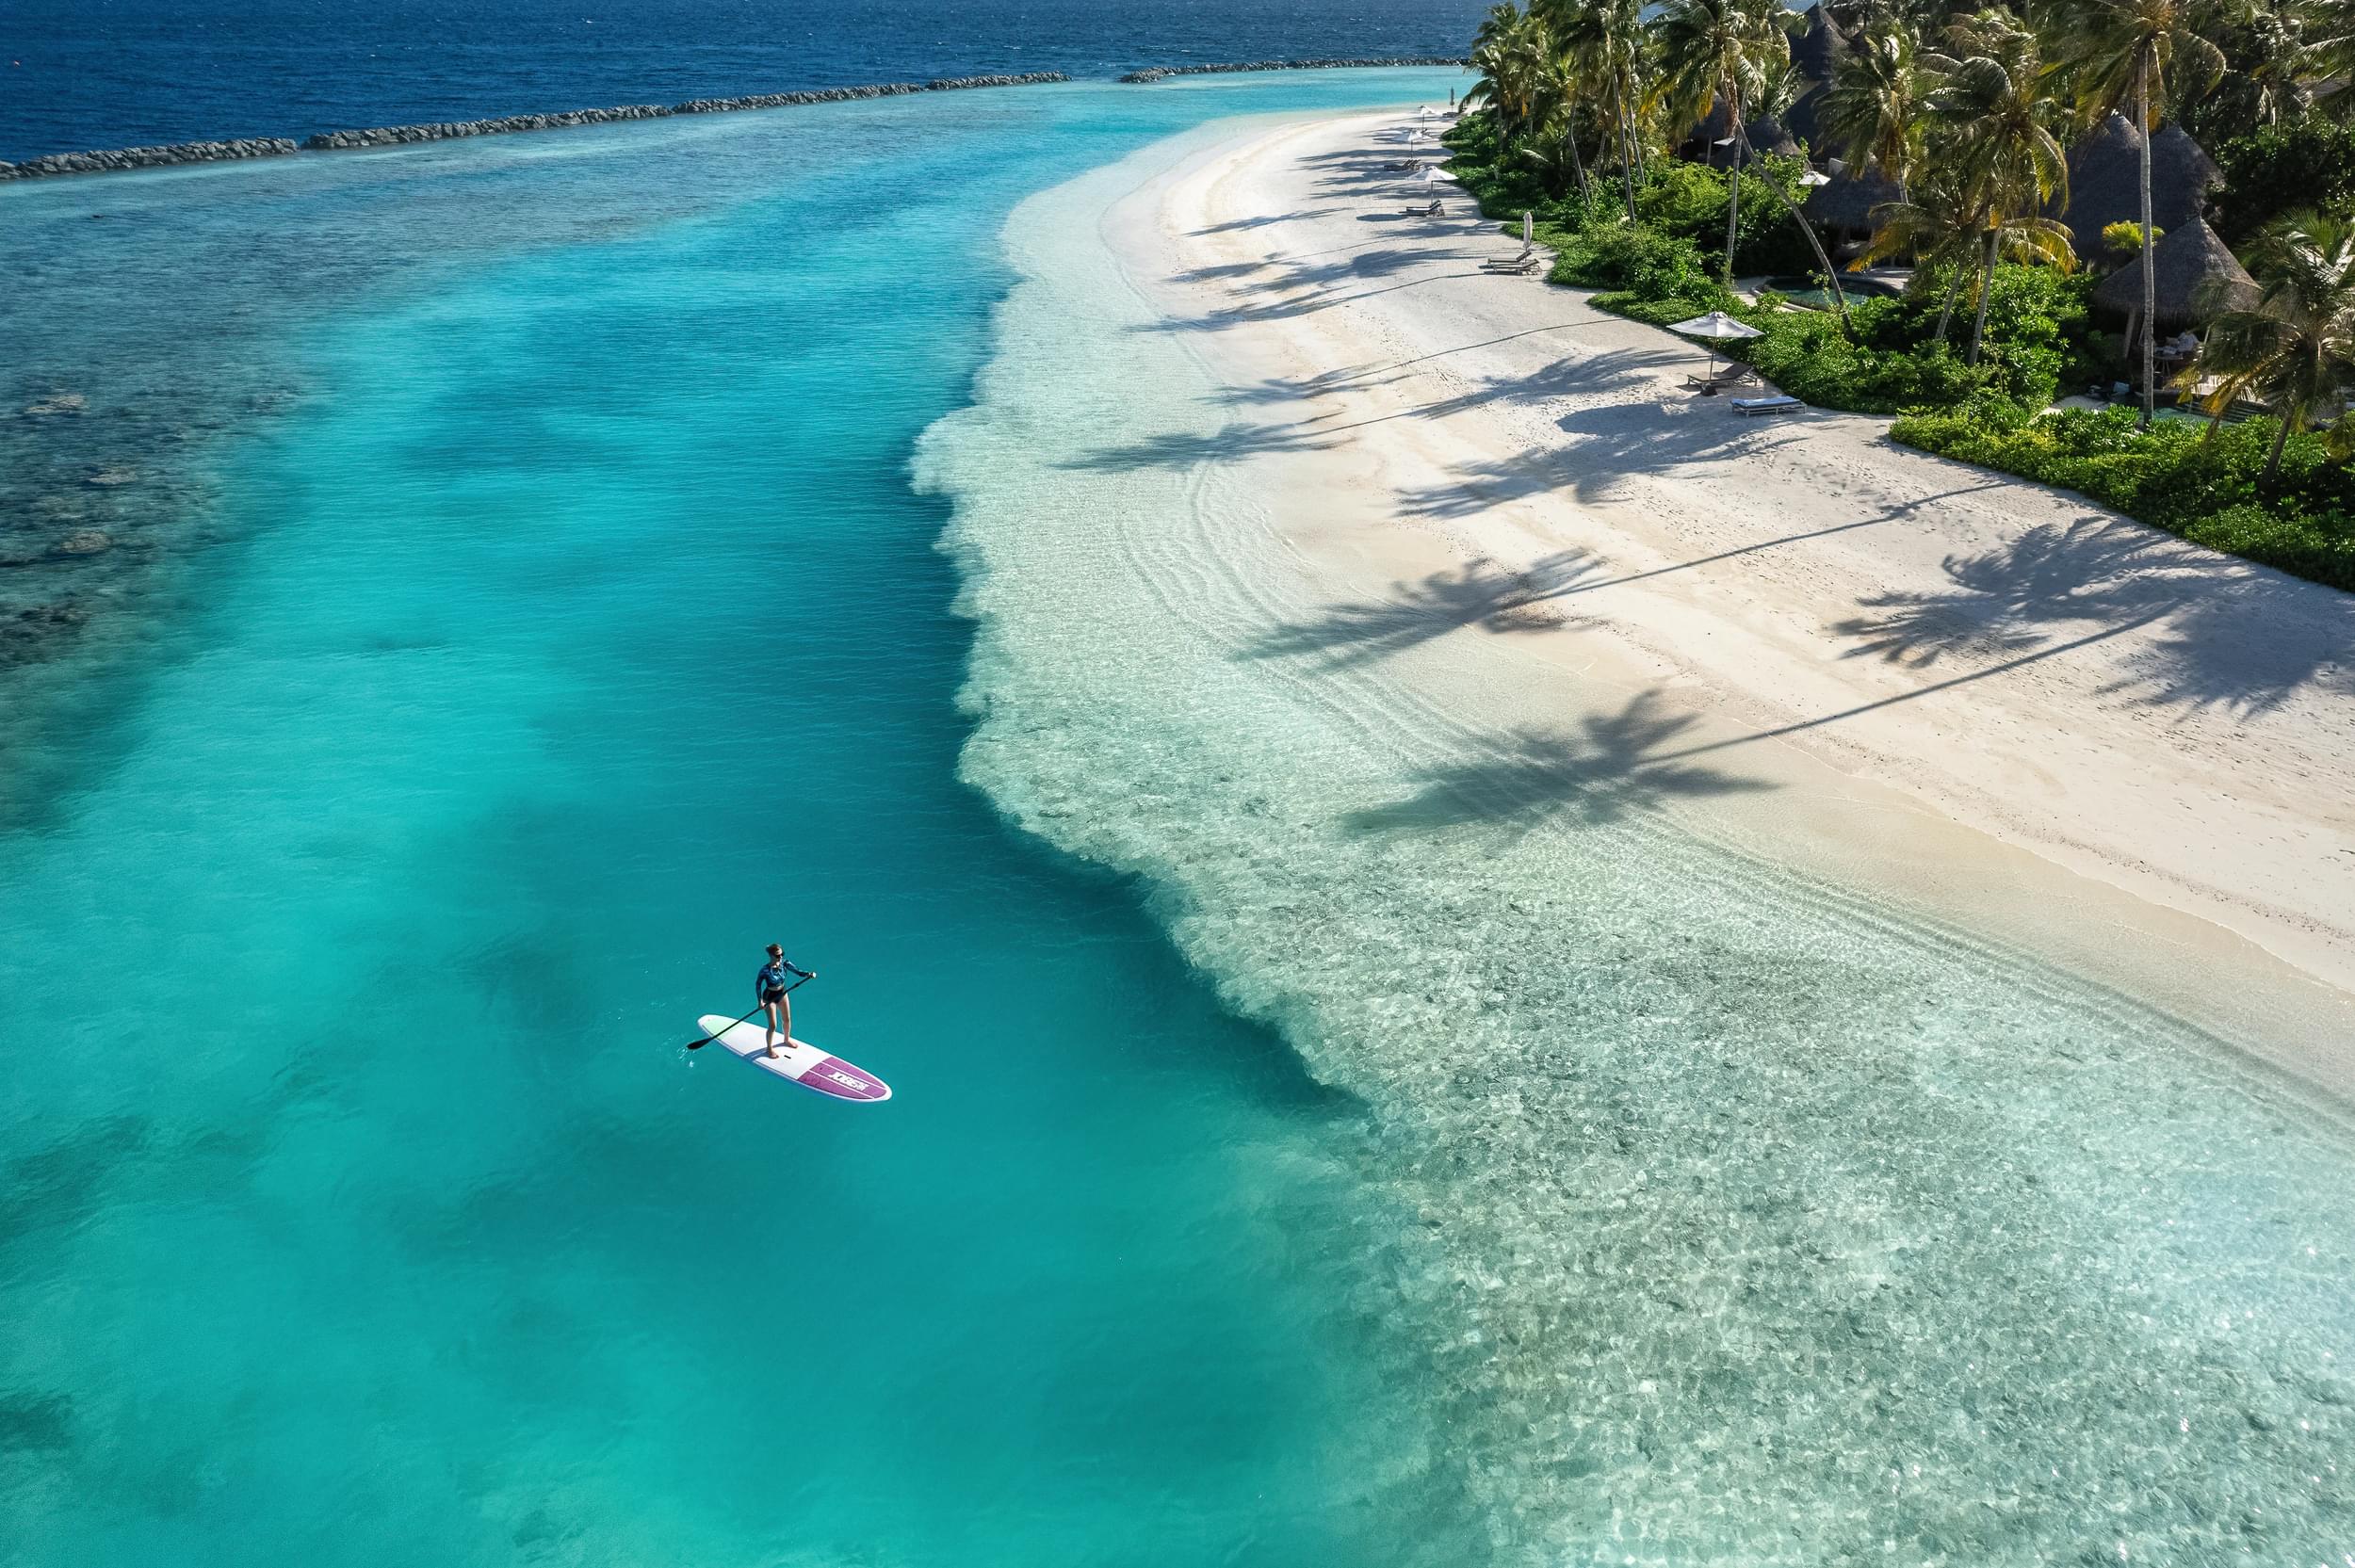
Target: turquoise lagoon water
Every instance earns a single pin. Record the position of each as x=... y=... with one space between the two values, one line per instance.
x=573 y=633
x=523 y=609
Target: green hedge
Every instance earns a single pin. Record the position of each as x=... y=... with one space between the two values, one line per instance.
x=2175 y=476
x=1890 y=365
x=1680 y=201
x=1665 y=269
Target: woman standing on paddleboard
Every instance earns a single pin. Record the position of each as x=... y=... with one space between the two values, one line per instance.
x=770 y=986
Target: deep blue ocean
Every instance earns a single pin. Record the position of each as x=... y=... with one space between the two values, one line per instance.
x=129 y=73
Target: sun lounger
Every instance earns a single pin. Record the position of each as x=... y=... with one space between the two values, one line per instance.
x=1527 y=260
x=1780 y=403
x=1436 y=209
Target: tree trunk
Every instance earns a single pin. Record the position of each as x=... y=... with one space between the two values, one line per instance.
x=2281 y=439
x=1987 y=287
x=1569 y=135
x=1627 y=143
x=2149 y=272
x=1742 y=154
x=1733 y=182
x=1634 y=130
x=1946 y=313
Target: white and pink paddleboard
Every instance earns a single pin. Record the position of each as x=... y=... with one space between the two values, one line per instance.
x=798 y=1063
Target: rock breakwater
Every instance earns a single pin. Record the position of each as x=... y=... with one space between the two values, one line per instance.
x=399 y=135
x=840 y=95
x=396 y=135
x=1156 y=72
x=147 y=157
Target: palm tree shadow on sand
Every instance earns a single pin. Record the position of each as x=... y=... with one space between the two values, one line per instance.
x=2094 y=575
x=1478 y=593
x=1615 y=763
x=2239 y=638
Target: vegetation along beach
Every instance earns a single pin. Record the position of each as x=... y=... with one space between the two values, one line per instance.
x=1574 y=787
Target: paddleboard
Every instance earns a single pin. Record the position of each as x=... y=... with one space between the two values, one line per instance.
x=797 y=1062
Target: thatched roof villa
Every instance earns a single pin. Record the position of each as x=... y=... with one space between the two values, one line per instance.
x=1814 y=54
x=1767 y=135
x=2106 y=182
x=2194 y=275
x=1845 y=205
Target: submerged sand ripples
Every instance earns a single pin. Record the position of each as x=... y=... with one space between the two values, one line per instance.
x=1758 y=1224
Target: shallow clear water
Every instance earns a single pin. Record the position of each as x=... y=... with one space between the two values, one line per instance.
x=531 y=614
x=576 y=633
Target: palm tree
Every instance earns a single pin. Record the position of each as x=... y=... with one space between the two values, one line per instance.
x=1556 y=103
x=2329 y=44
x=1606 y=39
x=2002 y=147
x=2282 y=61
x=2294 y=348
x=1716 y=51
x=1878 y=105
x=1779 y=88
x=1939 y=224
x=2119 y=51
x=1509 y=51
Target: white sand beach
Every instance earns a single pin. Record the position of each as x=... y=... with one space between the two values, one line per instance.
x=1997 y=705
x=1807 y=931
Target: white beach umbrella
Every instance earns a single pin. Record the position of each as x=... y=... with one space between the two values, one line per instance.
x=1433 y=176
x=1717 y=325
x=1529 y=229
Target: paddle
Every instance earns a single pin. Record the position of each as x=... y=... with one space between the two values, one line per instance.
x=707 y=1040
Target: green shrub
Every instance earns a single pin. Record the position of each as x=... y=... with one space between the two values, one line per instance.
x=2175 y=474
x=1640 y=260
x=1687 y=201
x=1662 y=313
x=1889 y=365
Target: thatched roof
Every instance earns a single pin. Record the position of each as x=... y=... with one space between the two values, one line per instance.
x=1701 y=142
x=2106 y=180
x=1849 y=201
x=1814 y=54
x=2182 y=175
x=1767 y=135
x=2196 y=278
